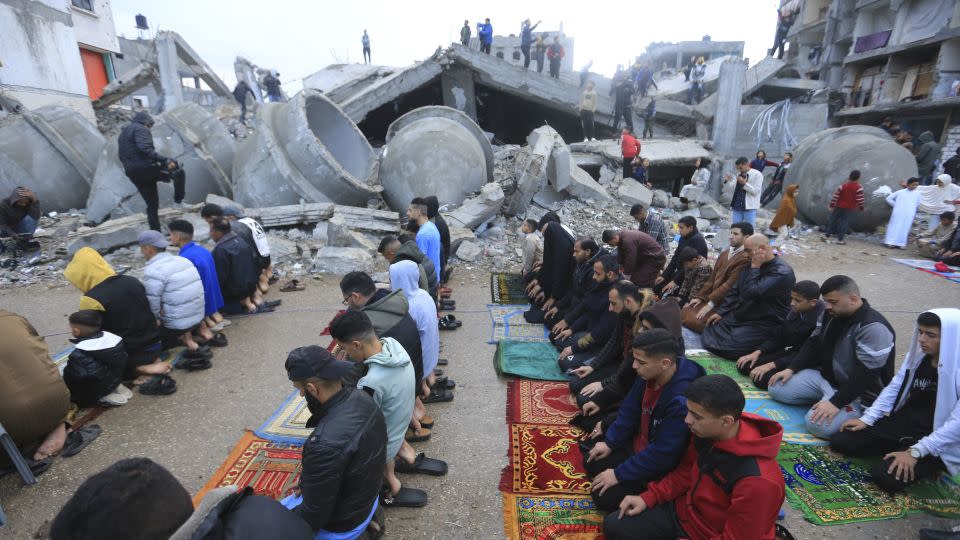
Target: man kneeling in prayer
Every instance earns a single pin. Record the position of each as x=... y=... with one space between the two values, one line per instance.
x=649 y=436
x=915 y=421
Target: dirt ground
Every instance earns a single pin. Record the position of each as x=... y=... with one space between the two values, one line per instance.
x=192 y=431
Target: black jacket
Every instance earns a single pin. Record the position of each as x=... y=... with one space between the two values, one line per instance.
x=674 y=271
x=11 y=214
x=558 y=263
x=343 y=462
x=593 y=316
x=127 y=312
x=761 y=294
x=229 y=514
x=241 y=90
x=444 y=239
x=237 y=268
x=94 y=368
x=135 y=145
x=581 y=283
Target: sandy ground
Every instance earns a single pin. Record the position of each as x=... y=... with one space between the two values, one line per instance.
x=192 y=431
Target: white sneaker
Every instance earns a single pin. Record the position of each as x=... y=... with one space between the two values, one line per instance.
x=177 y=205
x=123 y=390
x=114 y=399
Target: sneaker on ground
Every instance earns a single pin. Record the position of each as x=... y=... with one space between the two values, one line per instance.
x=114 y=399
x=123 y=391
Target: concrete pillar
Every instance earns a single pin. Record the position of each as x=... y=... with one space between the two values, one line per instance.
x=458 y=90
x=729 y=97
x=169 y=75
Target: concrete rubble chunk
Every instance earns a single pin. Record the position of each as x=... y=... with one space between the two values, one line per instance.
x=294 y=214
x=711 y=209
x=342 y=260
x=583 y=186
x=479 y=209
x=549 y=198
x=123 y=231
x=559 y=167
x=360 y=227
x=305 y=148
x=661 y=198
x=469 y=251
x=632 y=192
x=531 y=168
x=188 y=134
x=282 y=250
x=434 y=150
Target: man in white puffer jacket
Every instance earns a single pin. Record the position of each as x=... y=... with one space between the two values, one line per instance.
x=174 y=290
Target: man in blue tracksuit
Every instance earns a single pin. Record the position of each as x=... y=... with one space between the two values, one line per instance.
x=485 y=34
x=623 y=463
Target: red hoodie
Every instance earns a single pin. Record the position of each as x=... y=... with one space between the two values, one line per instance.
x=630 y=146
x=749 y=511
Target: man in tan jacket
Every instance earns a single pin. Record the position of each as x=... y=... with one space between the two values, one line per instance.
x=588 y=107
x=726 y=271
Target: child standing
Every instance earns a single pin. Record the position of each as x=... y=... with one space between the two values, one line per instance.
x=630 y=147
x=847 y=199
x=95 y=367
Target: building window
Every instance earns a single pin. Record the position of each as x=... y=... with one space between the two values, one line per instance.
x=83 y=4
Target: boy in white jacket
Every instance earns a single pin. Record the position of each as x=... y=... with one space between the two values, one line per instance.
x=915 y=422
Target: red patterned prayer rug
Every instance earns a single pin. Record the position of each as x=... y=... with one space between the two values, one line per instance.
x=271 y=469
x=545 y=459
x=540 y=402
x=551 y=517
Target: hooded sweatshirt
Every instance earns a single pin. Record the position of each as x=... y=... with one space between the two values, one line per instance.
x=944 y=441
x=404 y=276
x=928 y=151
x=11 y=214
x=408 y=251
x=727 y=489
x=135 y=146
x=389 y=313
x=391 y=379
x=787 y=211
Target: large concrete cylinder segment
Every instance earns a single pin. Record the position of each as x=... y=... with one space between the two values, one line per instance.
x=188 y=134
x=822 y=161
x=53 y=151
x=305 y=148
x=434 y=150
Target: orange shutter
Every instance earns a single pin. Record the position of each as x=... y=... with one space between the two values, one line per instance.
x=95 y=71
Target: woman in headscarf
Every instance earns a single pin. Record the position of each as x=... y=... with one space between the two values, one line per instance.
x=942 y=196
x=787 y=212
x=700 y=179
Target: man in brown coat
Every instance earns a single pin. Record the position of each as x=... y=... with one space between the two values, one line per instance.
x=35 y=401
x=726 y=271
x=641 y=257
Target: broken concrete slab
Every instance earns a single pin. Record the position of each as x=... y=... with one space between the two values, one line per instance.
x=559 y=167
x=360 y=227
x=291 y=215
x=188 y=134
x=754 y=77
x=54 y=151
x=340 y=81
x=661 y=198
x=477 y=210
x=459 y=234
x=386 y=89
x=549 y=198
x=712 y=210
x=632 y=192
x=342 y=260
x=583 y=186
x=531 y=168
x=434 y=150
x=122 y=231
x=282 y=250
x=469 y=251
x=305 y=148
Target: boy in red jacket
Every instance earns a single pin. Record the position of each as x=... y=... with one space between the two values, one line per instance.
x=728 y=485
x=630 y=147
x=847 y=199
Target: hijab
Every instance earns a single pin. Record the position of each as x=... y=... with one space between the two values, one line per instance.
x=787 y=211
x=932 y=198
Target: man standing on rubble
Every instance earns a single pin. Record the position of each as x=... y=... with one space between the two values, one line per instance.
x=485 y=34
x=697 y=74
x=465 y=34
x=272 y=83
x=555 y=54
x=526 y=39
x=143 y=165
x=240 y=92
x=366 y=47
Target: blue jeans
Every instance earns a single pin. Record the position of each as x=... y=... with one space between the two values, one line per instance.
x=28 y=225
x=808 y=387
x=741 y=216
x=839 y=223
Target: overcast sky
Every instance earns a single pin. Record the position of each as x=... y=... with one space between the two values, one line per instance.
x=298 y=38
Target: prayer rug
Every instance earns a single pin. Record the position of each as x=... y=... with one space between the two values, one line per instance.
x=507 y=288
x=271 y=469
x=553 y=517
x=926 y=265
x=528 y=360
x=545 y=459
x=288 y=424
x=508 y=323
x=540 y=402
x=791 y=417
x=832 y=489
x=721 y=366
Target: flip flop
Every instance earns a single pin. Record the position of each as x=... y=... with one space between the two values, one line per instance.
x=292 y=286
x=405 y=498
x=413 y=437
x=272 y=303
x=443 y=383
x=218 y=340
x=159 y=385
x=442 y=362
x=421 y=465
x=426 y=421
x=263 y=308
x=438 y=397
x=79 y=439
x=195 y=364
x=203 y=352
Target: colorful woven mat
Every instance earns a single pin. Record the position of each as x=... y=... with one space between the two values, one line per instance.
x=926 y=265
x=550 y=517
x=529 y=360
x=272 y=469
x=791 y=417
x=545 y=459
x=507 y=288
x=288 y=424
x=721 y=366
x=831 y=489
x=508 y=323
x=540 y=402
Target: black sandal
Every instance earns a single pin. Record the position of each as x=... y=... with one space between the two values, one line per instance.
x=443 y=383
x=203 y=352
x=79 y=439
x=159 y=385
x=438 y=397
x=413 y=437
x=449 y=322
x=218 y=340
x=195 y=364
x=421 y=465
x=442 y=362
x=405 y=498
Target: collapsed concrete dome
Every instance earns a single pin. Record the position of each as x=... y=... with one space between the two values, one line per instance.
x=823 y=161
x=53 y=151
x=434 y=150
x=188 y=134
x=305 y=148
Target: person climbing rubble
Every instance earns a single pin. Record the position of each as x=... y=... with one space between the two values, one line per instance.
x=144 y=166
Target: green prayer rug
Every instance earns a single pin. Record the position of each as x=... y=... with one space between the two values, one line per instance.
x=507 y=288
x=721 y=366
x=530 y=360
x=831 y=489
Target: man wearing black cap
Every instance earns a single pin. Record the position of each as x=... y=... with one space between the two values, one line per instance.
x=343 y=457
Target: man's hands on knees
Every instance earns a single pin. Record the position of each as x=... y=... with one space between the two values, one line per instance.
x=780 y=377
x=713 y=319
x=599 y=451
x=703 y=311
x=590 y=408
x=605 y=480
x=591 y=389
x=902 y=466
x=567 y=351
x=632 y=505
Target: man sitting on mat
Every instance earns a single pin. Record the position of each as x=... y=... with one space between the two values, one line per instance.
x=726 y=273
x=341 y=476
x=914 y=421
x=137 y=498
x=585 y=253
x=553 y=278
x=728 y=485
x=390 y=380
x=649 y=436
x=782 y=345
x=589 y=324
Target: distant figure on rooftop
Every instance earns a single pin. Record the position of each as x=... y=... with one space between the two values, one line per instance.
x=588 y=106
x=485 y=34
x=465 y=34
x=366 y=47
x=240 y=92
x=526 y=39
x=555 y=54
x=785 y=20
x=697 y=74
x=585 y=73
x=540 y=50
x=272 y=83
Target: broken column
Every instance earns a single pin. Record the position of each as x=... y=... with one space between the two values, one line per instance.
x=168 y=68
x=51 y=150
x=531 y=171
x=729 y=96
x=476 y=210
x=434 y=151
x=188 y=134
x=305 y=148
x=823 y=160
x=457 y=86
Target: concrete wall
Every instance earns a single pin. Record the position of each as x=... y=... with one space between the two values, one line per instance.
x=952 y=142
x=803 y=120
x=40 y=56
x=95 y=30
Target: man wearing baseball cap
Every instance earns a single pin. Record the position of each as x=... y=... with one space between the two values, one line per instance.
x=343 y=457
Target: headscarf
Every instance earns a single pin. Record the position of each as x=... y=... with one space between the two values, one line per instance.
x=787 y=211
x=932 y=198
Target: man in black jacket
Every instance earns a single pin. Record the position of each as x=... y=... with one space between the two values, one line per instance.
x=237 y=268
x=585 y=253
x=343 y=457
x=19 y=215
x=240 y=92
x=589 y=324
x=142 y=165
x=672 y=275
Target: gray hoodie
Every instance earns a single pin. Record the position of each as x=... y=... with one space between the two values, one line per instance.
x=391 y=377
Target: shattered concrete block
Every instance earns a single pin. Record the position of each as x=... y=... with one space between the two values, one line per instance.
x=293 y=214
x=469 y=251
x=661 y=198
x=360 y=227
x=458 y=235
x=609 y=175
x=712 y=210
x=221 y=201
x=702 y=224
x=559 y=167
x=584 y=187
x=477 y=210
x=531 y=175
x=693 y=212
x=632 y=192
x=319 y=234
x=122 y=232
x=548 y=198
x=342 y=260
x=722 y=239
x=693 y=193
x=676 y=203
x=282 y=250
